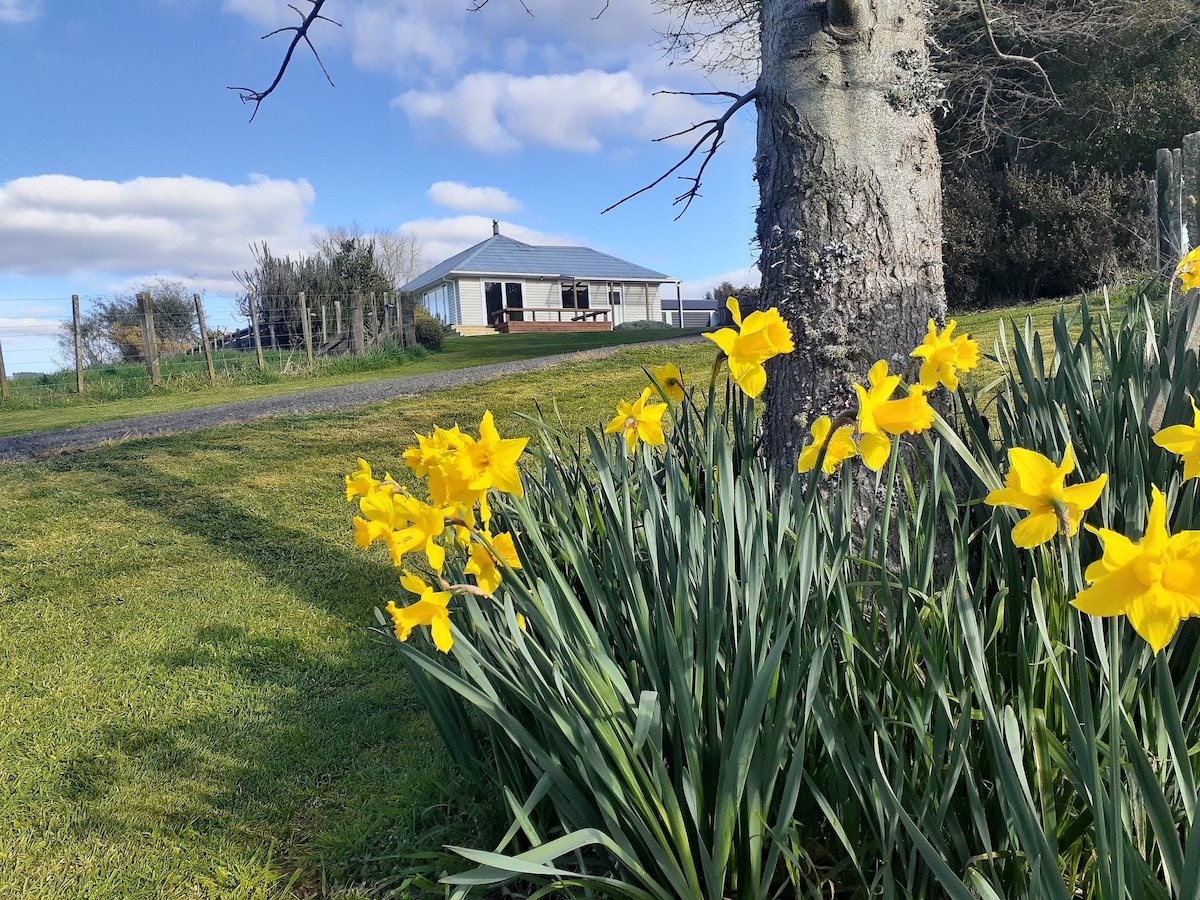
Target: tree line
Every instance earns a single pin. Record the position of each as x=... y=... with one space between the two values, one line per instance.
x=342 y=260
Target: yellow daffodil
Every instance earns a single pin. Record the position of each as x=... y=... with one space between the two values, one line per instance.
x=1184 y=440
x=1155 y=582
x=362 y=482
x=945 y=356
x=482 y=563
x=879 y=415
x=380 y=517
x=424 y=525
x=640 y=420
x=1188 y=270
x=758 y=337
x=1034 y=483
x=431 y=608
x=670 y=380
x=432 y=450
x=493 y=460
x=841 y=447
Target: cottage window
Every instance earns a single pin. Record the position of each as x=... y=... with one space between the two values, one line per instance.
x=575 y=295
x=499 y=297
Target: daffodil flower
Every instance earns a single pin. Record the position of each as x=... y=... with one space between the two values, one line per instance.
x=362 y=482
x=758 y=337
x=841 y=446
x=1155 y=582
x=879 y=415
x=1034 y=483
x=1188 y=270
x=424 y=524
x=482 y=563
x=640 y=420
x=945 y=356
x=1184 y=440
x=431 y=608
x=670 y=380
x=492 y=461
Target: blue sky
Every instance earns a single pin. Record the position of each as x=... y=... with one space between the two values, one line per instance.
x=124 y=155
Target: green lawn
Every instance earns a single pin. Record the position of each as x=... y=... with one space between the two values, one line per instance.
x=27 y=412
x=193 y=704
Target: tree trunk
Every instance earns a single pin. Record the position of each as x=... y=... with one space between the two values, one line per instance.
x=850 y=214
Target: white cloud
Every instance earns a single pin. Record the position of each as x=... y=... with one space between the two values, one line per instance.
x=14 y=11
x=498 y=112
x=415 y=38
x=462 y=197
x=56 y=225
x=442 y=238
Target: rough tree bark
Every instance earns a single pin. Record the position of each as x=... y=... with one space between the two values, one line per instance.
x=849 y=221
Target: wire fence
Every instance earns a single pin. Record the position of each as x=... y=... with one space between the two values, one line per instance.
x=121 y=345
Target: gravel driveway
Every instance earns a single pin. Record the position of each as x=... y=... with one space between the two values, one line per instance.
x=24 y=447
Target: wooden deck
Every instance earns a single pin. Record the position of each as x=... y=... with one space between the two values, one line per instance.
x=521 y=321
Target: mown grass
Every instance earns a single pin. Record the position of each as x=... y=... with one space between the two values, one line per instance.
x=125 y=391
x=193 y=704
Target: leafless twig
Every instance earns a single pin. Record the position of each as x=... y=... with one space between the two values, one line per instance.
x=248 y=95
x=480 y=4
x=711 y=136
x=1029 y=62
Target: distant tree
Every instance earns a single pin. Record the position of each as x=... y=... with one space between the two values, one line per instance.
x=111 y=330
x=747 y=294
x=397 y=257
x=343 y=260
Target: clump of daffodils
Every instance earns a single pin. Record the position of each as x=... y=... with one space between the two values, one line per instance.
x=1155 y=581
x=882 y=414
x=459 y=473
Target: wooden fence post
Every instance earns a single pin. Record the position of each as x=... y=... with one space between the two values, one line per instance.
x=408 y=320
x=1168 y=164
x=337 y=316
x=149 y=339
x=1189 y=207
x=324 y=327
x=262 y=363
x=373 y=334
x=75 y=316
x=306 y=328
x=212 y=374
x=3 y=374
x=357 y=344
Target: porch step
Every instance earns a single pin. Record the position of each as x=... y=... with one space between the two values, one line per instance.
x=472 y=330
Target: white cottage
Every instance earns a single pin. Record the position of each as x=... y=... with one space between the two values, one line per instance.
x=510 y=286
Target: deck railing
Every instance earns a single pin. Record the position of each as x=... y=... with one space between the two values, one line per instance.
x=565 y=317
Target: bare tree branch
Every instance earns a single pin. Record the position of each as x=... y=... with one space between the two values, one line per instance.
x=248 y=95
x=1027 y=61
x=712 y=136
x=480 y=4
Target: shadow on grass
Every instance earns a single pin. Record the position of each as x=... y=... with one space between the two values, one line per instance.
x=335 y=763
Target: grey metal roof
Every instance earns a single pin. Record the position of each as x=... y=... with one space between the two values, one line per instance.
x=500 y=255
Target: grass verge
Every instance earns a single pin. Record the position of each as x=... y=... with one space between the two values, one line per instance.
x=193 y=704
x=29 y=411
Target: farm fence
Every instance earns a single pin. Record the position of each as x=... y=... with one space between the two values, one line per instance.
x=115 y=343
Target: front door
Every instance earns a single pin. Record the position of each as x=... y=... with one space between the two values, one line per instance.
x=514 y=297
x=493 y=301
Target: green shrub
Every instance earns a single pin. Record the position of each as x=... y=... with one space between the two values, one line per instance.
x=430 y=331
x=1021 y=234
